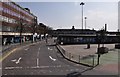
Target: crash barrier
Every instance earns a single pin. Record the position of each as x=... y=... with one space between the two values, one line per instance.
x=88 y=60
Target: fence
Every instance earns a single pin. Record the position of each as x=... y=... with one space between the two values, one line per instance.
x=89 y=60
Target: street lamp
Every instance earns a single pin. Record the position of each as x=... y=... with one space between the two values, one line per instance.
x=85 y=22
x=82 y=12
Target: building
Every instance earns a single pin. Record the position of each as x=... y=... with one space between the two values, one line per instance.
x=16 y=22
x=85 y=36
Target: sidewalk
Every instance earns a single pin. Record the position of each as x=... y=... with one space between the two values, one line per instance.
x=11 y=46
x=82 y=49
x=108 y=62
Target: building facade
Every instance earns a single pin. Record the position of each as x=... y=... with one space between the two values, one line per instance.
x=16 y=22
x=85 y=36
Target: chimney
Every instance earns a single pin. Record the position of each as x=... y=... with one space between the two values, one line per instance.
x=73 y=27
x=105 y=27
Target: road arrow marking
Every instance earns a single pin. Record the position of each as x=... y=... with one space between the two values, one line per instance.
x=14 y=60
x=18 y=61
x=49 y=48
x=52 y=58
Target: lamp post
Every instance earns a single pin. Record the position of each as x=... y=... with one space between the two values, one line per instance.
x=85 y=22
x=82 y=12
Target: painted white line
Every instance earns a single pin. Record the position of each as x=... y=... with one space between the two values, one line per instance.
x=8 y=68
x=39 y=49
x=37 y=62
x=14 y=60
x=38 y=54
x=52 y=58
x=18 y=61
x=26 y=49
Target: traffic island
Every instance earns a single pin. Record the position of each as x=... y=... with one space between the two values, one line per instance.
x=87 y=60
x=79 y=55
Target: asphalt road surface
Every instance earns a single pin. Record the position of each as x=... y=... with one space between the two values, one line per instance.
x=39 y=59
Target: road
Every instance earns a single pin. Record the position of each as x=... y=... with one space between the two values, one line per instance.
x=38 y=59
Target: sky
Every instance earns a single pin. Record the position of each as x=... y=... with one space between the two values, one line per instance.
x=64 y=15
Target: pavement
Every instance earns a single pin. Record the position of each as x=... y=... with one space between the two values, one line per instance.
x=40 y=58
x=13 y=45
x=108 y=62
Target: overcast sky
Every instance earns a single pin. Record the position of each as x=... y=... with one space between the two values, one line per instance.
x=66 y=14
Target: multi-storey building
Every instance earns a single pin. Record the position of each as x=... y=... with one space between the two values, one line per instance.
x=15 y=21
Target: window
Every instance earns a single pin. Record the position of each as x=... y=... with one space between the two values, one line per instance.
x=1 y=18
x=1 y=8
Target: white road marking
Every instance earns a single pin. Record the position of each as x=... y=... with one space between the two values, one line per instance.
x=8 y=68
x=39 y=49
x=50 y=49
x=37 y=62
x=35 y=67
x=18 y=61
x=52 y=58
x=14 y=60
x=38 y=54
x=5 y=74
x=26 y=49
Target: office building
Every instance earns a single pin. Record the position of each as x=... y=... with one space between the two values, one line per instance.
x=15 y=21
